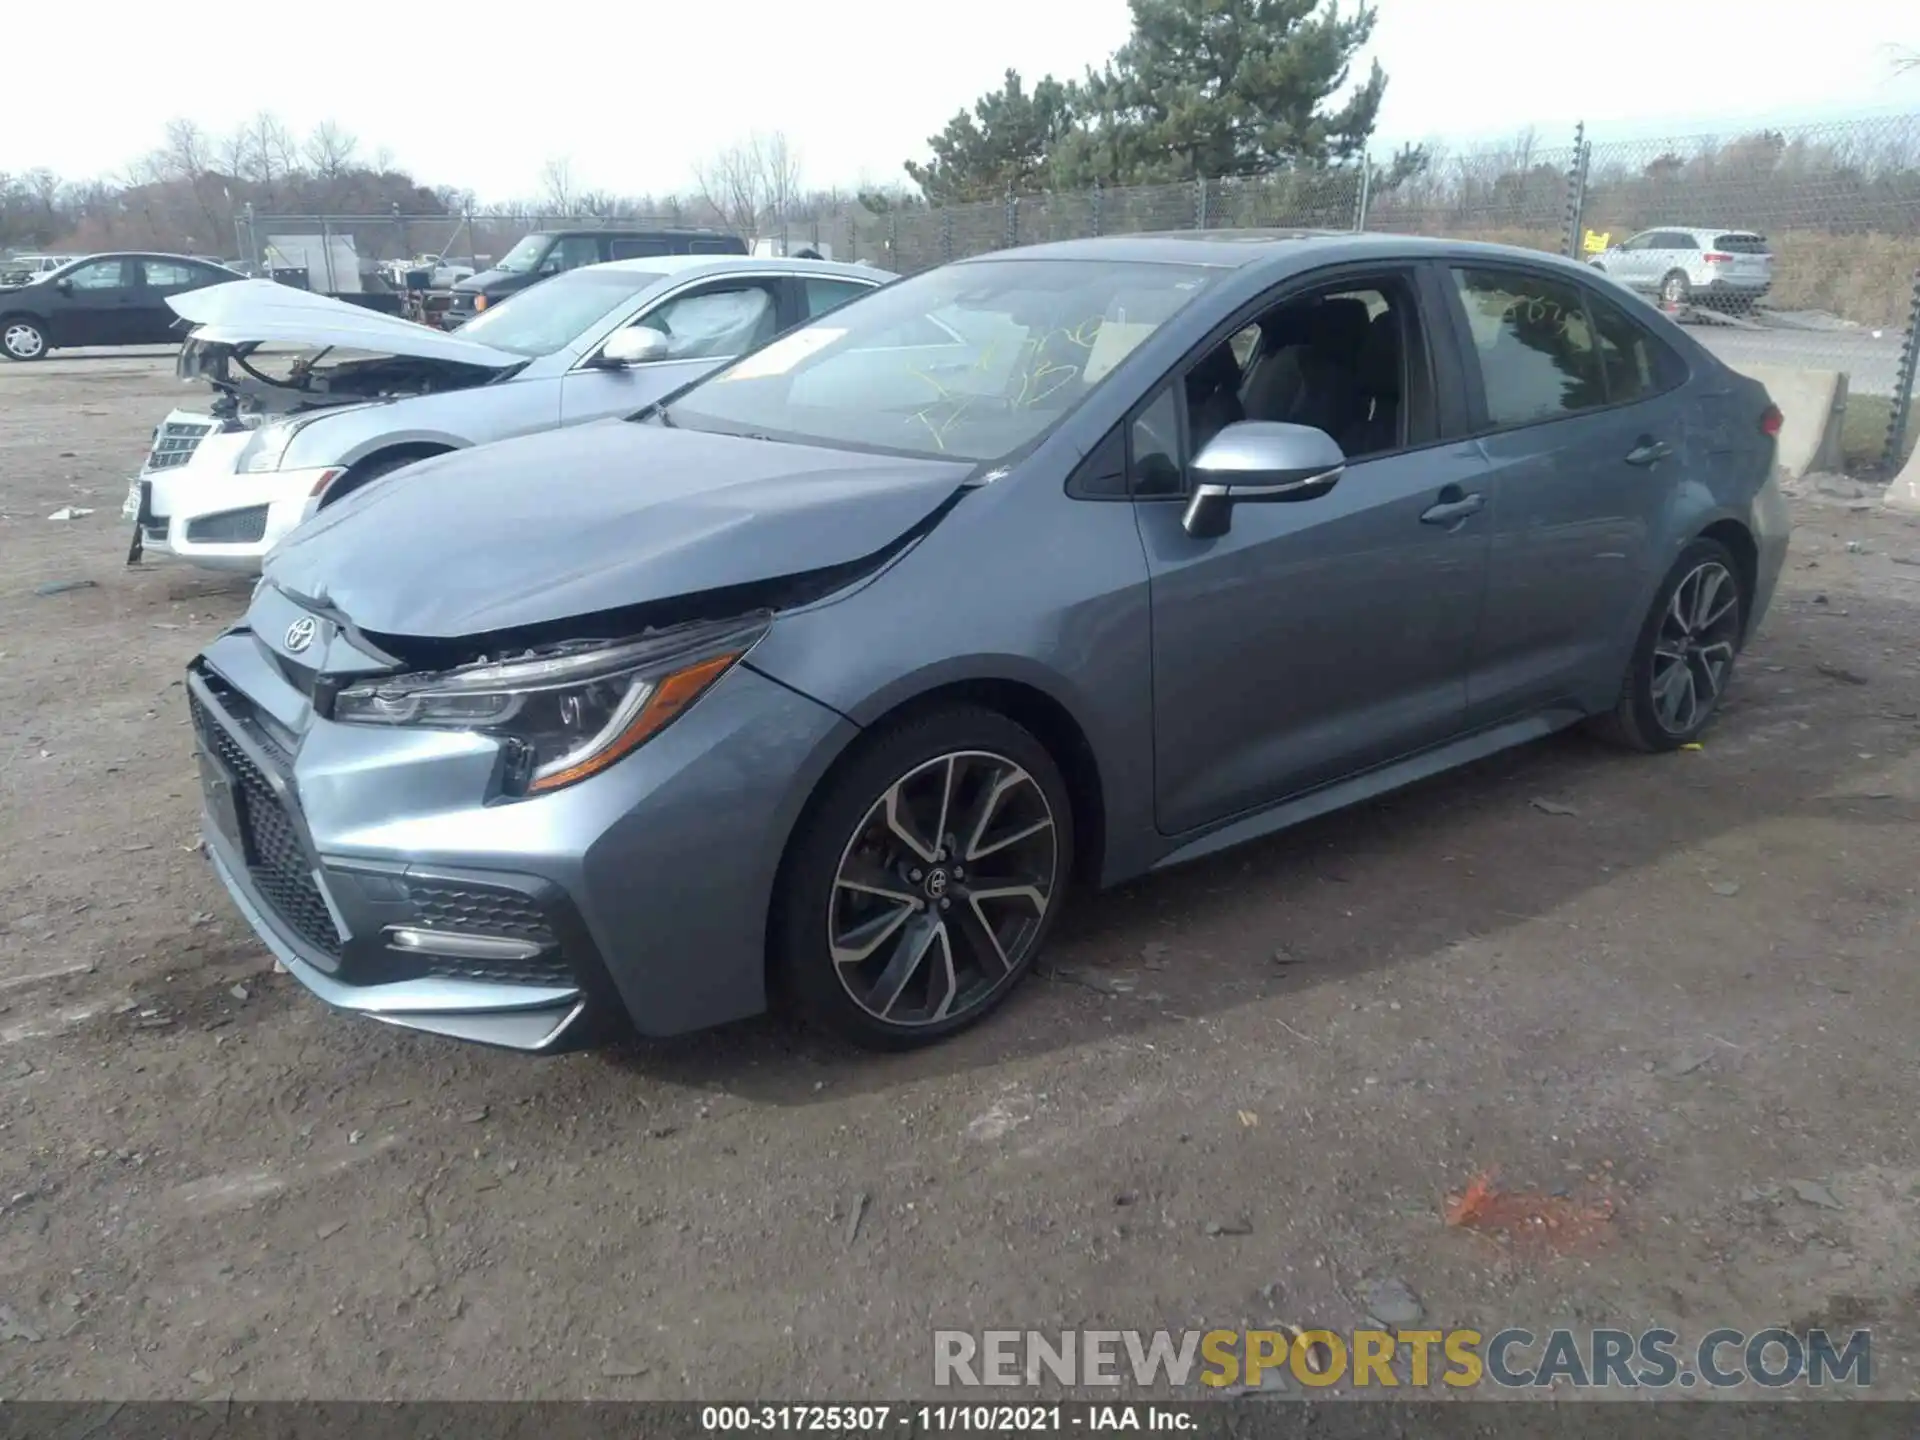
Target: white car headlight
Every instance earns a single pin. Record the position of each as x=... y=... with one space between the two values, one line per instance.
x=267 y=448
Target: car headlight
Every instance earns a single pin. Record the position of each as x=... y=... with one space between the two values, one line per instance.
x=266 y=449
x=564 y=714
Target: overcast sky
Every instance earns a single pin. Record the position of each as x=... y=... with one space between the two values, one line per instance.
x=633 y=95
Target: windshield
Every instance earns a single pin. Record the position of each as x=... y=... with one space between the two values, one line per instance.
x=521 y=259
x=970 y=362
x=554 y=313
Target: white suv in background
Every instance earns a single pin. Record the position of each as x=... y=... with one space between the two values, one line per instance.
x=1692 y=265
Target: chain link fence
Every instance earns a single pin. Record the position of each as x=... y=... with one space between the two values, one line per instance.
x=1791 y=246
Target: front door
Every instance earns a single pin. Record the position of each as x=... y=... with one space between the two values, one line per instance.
x=1316 y=638
x=705 y=326
x=1582 y=425
x=98 y=304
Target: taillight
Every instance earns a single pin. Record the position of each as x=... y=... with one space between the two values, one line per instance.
x=1713 y=257
x=1771 y=420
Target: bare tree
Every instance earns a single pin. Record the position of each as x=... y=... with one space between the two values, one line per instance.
x=270 y=149
x=556 y=185
x=753 y=179
x=330 y=150
x=186 y=154
x=230 y=154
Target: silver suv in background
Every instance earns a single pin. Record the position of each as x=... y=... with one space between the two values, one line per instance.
x=1693 y=265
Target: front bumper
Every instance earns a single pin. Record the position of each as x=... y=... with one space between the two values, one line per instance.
x=359 y=854
x=222 y=521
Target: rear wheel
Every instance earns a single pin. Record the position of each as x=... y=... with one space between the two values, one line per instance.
x=22 y=338
x=1684 y=657
x=925 y=880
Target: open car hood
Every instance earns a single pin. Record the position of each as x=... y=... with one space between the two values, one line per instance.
x=600 y=518
x=265 y=312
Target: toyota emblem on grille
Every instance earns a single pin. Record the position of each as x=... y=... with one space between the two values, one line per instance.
x=300 y=634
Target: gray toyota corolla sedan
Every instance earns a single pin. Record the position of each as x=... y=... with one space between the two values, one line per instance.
x=826 y=677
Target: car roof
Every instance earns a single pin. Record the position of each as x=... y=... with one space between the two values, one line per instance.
x=1701 y=230
x=721 y=264
x=1235 y=249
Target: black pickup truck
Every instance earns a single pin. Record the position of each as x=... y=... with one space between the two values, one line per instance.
x=548 y=252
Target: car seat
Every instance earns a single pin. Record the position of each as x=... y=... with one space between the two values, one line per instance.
x=1213 y=396
x=1379 y=379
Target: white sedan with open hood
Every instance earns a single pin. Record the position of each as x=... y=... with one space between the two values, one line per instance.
x=314 y=397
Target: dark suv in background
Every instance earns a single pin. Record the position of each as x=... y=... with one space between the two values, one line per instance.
x=548 y=252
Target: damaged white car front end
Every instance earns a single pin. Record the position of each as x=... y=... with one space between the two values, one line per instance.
x=314 y=397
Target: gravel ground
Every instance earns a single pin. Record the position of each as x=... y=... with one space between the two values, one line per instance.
x=1680 y=986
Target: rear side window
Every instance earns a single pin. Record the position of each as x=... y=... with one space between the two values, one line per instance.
x=717 y=247
x=639 y=249
x=1739 y=244
x=1637 y=366
x=1538 y=357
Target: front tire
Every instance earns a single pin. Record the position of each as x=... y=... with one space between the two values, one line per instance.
x=1683 y=660
x=924 y=880
x=23 y=339
x=1676 y=289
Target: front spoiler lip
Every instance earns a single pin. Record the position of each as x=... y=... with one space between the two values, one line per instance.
x=514 y=1017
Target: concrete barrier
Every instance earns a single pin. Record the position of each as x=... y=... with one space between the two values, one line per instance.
x=1813 y=404
x=1904 y=493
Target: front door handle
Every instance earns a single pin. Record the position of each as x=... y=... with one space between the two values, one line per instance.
x=1455 y=505
x=1649 y=452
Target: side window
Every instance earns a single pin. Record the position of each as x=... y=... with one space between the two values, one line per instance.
x=1153 y=444
x=725 y=319
x=1637 y=366
x=1103 y=474
x=638 y=249
x=825 y=295
x=101 y=275
x=573 y=251
x=1538 y=359
x=170 y=274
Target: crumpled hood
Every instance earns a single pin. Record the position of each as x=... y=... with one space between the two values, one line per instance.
x=595 y=518
x=247 y=312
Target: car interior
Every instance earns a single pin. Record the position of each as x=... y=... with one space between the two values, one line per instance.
x=1333 y=360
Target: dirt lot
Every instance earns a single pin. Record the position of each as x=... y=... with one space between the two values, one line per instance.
x=1683 y=986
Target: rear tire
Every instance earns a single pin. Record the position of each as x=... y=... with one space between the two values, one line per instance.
x=23 y=339
x=924 y=880
x=1684 y=657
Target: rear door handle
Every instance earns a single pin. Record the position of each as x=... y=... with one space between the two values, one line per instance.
x=1649 y=452
x=1455 y=505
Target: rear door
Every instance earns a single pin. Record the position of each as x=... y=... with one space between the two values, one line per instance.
x=705 y=324
x=161 y=279
x=1578 y=412
x=96 y=304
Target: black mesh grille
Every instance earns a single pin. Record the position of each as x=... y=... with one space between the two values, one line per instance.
x=230 y=527
x=175 y=444
x=500 y=913
x=280 y=873
x=541 y=970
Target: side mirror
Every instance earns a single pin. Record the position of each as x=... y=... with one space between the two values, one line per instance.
x=1259 y=462
x=548 y=267
x=635 y=345
x=63 y=285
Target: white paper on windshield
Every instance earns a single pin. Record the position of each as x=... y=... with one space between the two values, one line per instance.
x=1114 y=342
x=781 y=356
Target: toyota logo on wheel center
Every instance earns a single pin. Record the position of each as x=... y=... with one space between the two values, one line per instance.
x=300 y=634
